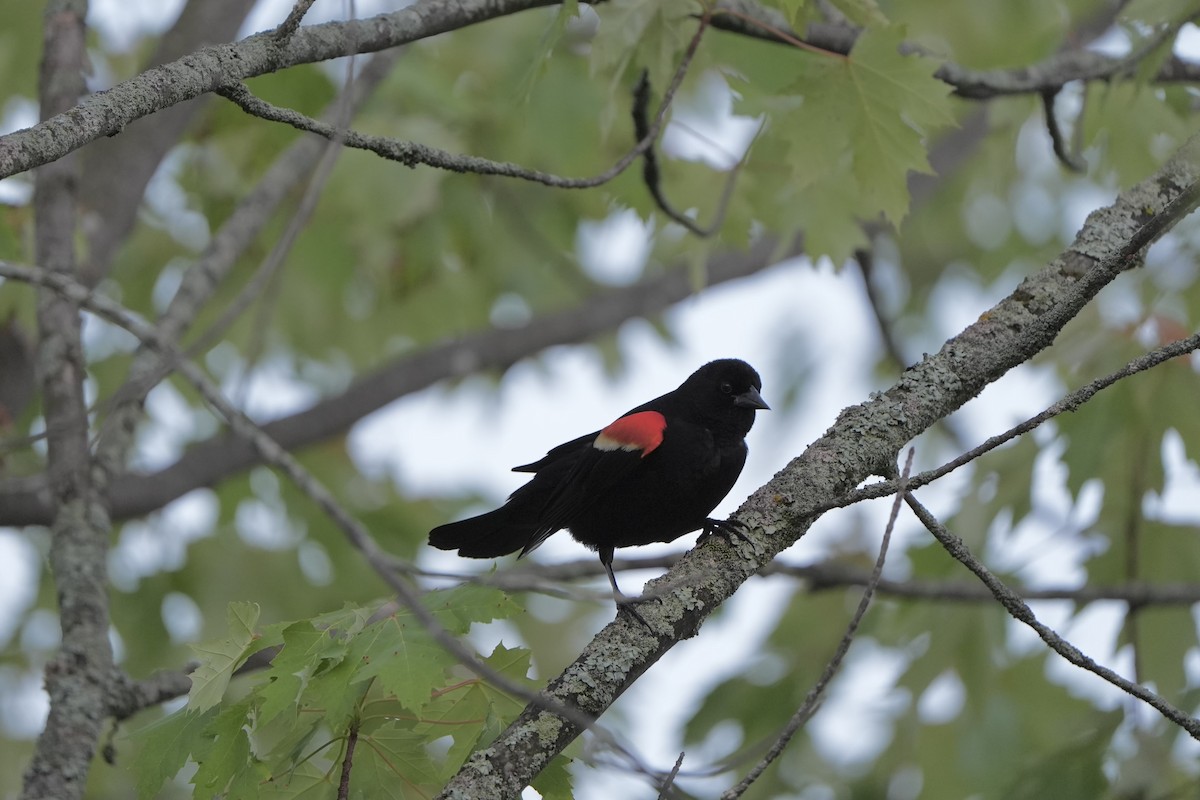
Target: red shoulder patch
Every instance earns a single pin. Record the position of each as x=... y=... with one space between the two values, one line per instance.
x=641 y=431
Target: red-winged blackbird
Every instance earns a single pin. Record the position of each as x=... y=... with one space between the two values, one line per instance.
x=651 y=476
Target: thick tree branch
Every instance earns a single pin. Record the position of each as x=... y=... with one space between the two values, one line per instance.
x=27 y=502
x=212 y=68
x=107 y=113
x=749 y=18
x=863 y=441
x=79 y=676
x=1072 y=402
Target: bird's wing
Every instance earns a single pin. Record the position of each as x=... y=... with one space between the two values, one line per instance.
x=558 y=453
x=598 y=464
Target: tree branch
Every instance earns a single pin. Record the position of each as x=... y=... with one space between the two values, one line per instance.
x=811 y=700
x=749 y=18
x=1023 y=613
x=80 y=674
x=107 y=113
x=863 y=441
x=825 y=576
x=411 y=154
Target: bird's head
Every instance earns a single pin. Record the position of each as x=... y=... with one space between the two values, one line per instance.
x=726 y=394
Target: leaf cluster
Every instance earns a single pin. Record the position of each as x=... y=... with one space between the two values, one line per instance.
x=363 y=691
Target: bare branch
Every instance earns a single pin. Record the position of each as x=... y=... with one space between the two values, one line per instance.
x=1072 y=161
x=347 y=760
x=811 y=700
x=411 y=154
x=1071 y=402
x=1023 y=613
x=650 y=175
x=289 y=25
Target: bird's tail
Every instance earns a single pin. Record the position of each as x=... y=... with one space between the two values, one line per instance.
x=496 y=533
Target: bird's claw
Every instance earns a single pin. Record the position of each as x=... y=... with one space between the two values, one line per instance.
x=729 y=528
x=630 y=604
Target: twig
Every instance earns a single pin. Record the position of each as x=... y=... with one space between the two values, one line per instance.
x=669 y=781
x=813 y=698
x=865 y=259
x=1072 y=161
x=289 y=25
x=1023 y=613
x=650 y=173
x=826 y=576
x=411 y=154
x=1071 y=402
x=347 y=761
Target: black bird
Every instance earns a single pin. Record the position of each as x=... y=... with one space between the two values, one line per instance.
x=653 y=475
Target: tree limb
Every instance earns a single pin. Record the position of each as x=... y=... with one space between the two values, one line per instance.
x=79 y=675
x=750 y=18
x=107 y=113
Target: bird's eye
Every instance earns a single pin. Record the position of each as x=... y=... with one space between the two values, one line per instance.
x=726 y=388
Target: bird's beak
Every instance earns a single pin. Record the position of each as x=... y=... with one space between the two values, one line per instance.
x=751 y=399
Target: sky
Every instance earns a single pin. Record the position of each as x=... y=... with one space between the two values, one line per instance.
x=794 y=315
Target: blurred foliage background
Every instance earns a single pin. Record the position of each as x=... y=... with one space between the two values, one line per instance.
x=393 y=261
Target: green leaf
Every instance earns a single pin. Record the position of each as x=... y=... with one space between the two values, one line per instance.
x=306 y=781
x=885 y=104
x=861 y=12
x=306 y=651
x=227 y=754
x=650 y=34
x=219 y=659
x=165 y=747
x=475 y=712
x=458 y=608
x=391 y=762
x=401 y=653
x=554 y=782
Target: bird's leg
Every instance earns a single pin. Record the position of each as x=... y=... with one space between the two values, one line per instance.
x=623 y=602
x=729 y=528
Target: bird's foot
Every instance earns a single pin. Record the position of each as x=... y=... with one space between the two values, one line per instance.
x=629 y=605
x=729 y=528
